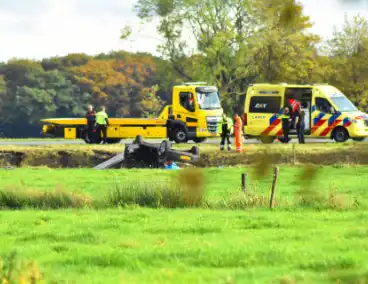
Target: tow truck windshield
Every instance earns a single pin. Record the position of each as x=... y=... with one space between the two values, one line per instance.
x=208 y=100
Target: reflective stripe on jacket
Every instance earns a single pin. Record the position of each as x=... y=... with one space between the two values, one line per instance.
x=229 y=122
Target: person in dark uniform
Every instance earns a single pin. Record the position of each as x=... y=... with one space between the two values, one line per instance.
x=91 y=122
x=300 y=125
x=285 y=120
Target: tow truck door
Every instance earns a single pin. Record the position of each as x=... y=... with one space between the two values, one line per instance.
x=184 y=107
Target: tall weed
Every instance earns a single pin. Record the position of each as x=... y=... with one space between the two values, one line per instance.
x=13 y=270
x=185 y=190
x=20 y=198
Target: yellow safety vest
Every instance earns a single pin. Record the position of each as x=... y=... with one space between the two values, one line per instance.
x=101 y=117
x=229 y=125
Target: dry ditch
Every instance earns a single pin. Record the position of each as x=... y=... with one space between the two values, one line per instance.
x=67 y=157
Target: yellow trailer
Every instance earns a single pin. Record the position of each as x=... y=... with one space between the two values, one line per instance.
x=194 y=115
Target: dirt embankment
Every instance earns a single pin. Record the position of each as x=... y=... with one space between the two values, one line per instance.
x=54 y=157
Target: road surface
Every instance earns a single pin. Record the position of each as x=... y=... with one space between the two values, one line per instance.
x=77 y=142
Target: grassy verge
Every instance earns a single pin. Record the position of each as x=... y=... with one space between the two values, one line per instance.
x=190 y=246
x=219 y=188
x=210 y=234
x=73 y=156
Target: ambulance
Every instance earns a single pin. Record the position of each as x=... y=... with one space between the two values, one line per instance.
x=329 y=113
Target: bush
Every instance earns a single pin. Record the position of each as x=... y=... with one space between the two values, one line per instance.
x=185 y=191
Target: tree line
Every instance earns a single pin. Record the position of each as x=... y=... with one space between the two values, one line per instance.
x=230 y=44
x=129 y=85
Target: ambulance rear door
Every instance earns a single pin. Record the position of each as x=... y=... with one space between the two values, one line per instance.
x=264 y=109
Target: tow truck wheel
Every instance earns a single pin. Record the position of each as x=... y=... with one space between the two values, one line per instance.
x=180 y=136
x=85 y=137
x=340 y=135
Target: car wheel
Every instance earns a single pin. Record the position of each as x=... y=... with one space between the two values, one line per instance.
x=340 y=135
x=164 y=147
x=180 y=136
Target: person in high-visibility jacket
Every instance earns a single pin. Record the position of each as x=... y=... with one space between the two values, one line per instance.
x=102 y=123
x=238 y=133
x=225 y=129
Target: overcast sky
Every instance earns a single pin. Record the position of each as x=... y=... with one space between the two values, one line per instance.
x=37 y=29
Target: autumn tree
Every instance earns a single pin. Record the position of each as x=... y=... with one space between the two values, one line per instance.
x=348 y=54
x=236 y=42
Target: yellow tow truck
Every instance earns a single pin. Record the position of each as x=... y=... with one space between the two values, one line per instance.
x=194 y=115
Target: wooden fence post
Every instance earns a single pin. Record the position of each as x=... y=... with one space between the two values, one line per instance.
x=273 y=191
x=244 y=182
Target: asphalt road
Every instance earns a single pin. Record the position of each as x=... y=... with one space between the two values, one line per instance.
x=209 y=141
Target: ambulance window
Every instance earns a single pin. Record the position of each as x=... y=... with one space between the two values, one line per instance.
x=265 y=104
x=323 y=105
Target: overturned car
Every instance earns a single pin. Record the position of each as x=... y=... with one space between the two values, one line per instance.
x=141 y=154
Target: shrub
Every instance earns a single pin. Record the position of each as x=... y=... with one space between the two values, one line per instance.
x=186 y=190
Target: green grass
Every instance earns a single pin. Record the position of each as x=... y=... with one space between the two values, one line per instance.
x=220 y=182
x=290 y=244
x=190 y=246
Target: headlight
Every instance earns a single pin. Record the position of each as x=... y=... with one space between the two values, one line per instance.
x=358 y=122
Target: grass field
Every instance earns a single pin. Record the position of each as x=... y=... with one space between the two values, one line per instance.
x=219 y=182
x=191 y=246
x=320 y=241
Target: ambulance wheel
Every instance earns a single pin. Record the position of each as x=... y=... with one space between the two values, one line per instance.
x=199 y=140
x=340 y=135
x=266 y=139
x=180 y=136
x=360 y=139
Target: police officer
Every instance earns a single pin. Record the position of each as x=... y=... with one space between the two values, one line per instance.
x=91 y=121
x=102 y=123
x=225 y=129
x=285 y=120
